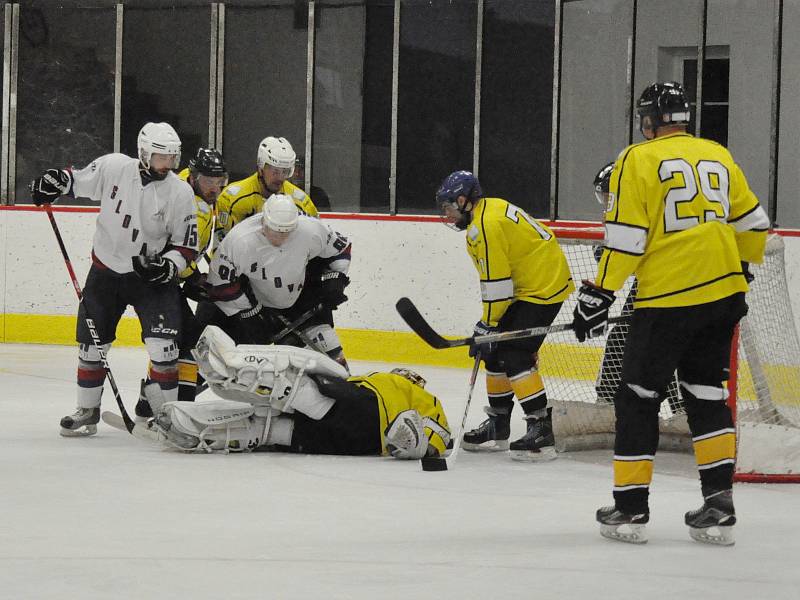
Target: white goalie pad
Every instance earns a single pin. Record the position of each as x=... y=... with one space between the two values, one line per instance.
x=269 y=375
x=211 y=426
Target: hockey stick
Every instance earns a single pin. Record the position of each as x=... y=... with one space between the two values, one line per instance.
x=90 y=322
x=290 y=327
x=417 y=322
x=451 y=458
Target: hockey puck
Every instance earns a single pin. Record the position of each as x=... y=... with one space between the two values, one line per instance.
x=434 y=463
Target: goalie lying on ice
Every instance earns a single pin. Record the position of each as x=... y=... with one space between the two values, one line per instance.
x=288 y=399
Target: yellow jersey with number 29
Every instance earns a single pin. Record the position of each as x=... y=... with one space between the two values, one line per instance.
x=681 y=217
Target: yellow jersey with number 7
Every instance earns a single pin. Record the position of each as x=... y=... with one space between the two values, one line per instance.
x=517 y=257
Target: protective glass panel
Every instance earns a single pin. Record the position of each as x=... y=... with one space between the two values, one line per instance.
x=338 y=106
x=65 y=92
x=788 y=208
x=165 y=74
x=517 y=102
x=436 y=104
x=595 y=104
x=739 y=54
x=265 y=80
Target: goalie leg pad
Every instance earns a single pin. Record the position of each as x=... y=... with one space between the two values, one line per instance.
x=212 y=426
x=405 y=436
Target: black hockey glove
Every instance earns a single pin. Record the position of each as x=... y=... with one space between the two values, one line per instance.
x=487 y=350
x=255 y=325
x=331 y=288
x=52 y=184
x=590 y=318
x=195 y=287
x=157 y=270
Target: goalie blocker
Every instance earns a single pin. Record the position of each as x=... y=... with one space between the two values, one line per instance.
x=283 y=398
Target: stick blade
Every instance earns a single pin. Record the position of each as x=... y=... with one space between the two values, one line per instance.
x=420 y=326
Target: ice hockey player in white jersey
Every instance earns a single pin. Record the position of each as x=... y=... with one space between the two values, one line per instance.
x=288 y=399
x=274 y=267
x=146 y=234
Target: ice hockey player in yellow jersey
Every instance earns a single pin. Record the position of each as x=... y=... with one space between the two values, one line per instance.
x=524 y=280
x=208 y=176
x=241 y=199
x=682 y=218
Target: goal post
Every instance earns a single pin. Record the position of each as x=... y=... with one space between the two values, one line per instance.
x=765 y=371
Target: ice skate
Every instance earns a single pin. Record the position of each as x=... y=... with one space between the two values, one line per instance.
x=491 y=435
x=81 y=423
x=621 y=526
x=538 y=443
x=713 y=522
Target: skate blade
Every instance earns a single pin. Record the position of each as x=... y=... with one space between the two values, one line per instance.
x=82 y=431
x=629 y=533
x=492 y=446
x=543 y=455
x=723 y=536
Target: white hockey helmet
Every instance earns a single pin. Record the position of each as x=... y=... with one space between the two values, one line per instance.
x=280 y=213
x=278 y=153
x=158 y=138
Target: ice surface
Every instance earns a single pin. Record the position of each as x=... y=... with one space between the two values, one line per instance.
x=112 y=517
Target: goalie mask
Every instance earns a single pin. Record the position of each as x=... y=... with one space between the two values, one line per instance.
x=455 y=185
x=412 y=376
x=662 y=104
x=159 y=149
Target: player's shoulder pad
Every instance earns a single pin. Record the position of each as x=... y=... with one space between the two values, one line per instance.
x=232 y=190
x=298 y=194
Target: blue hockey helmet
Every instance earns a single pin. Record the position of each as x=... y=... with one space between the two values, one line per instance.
x=458 y=183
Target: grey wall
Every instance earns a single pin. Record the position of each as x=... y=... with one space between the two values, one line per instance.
x=746 y=27
x=594 y=102
x=789 y=148
x=338 y=105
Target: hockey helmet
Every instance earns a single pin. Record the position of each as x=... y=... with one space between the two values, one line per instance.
x=664 y=104
x=280 y=213
x=208 y=162
x=458 y=183
x=158 y=138
x=277 y=153
x=601 y=184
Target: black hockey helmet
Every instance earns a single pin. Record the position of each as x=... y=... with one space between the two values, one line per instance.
x=601 y=183
x=458 y=183
x=664 y=103
x=208 y=162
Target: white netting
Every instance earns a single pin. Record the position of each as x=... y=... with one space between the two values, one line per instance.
x=768 y=403
x=581 y=378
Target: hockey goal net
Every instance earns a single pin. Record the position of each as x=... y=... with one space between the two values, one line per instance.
x=765 y=371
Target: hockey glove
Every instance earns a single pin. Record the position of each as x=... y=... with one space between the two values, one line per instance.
x=331 y=288
x=255 y=325
x=52 y=184
x=195 y=287
x=488 y=349
x=590 y=318
x=156 y=270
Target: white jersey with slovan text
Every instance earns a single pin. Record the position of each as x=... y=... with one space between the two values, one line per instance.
x=276 y=274
x=136 y=219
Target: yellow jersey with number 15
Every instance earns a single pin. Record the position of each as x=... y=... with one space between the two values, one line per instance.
x=681 y=217
x=517 y=258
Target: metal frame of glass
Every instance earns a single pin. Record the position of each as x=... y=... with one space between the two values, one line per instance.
x=216 y=89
